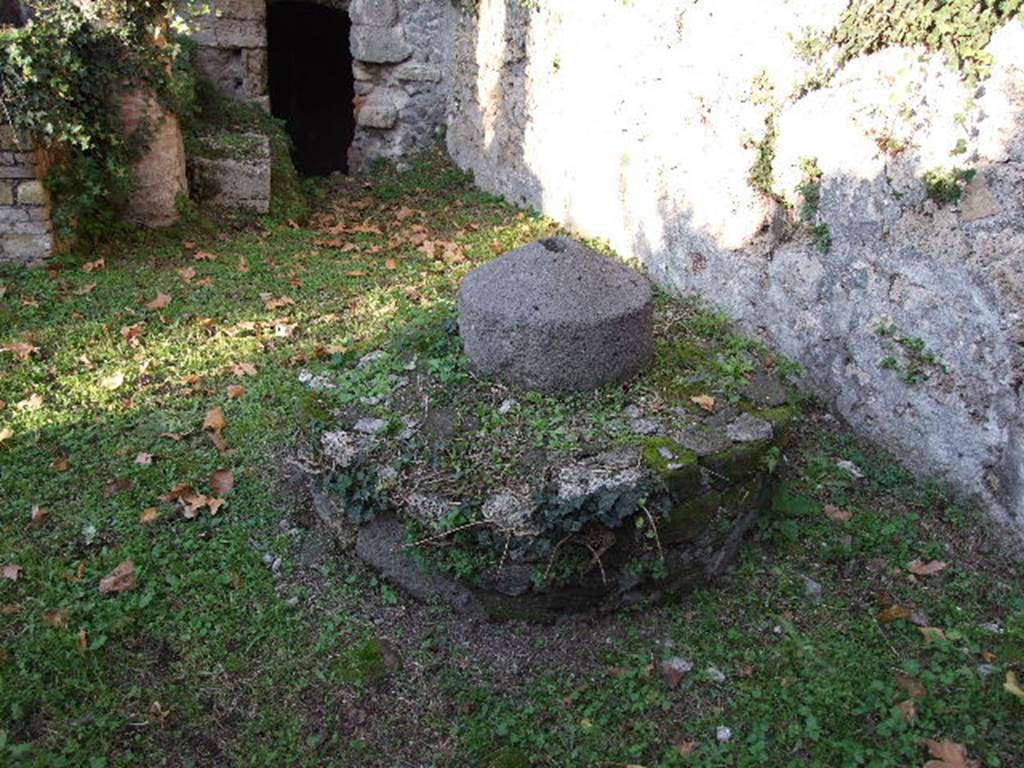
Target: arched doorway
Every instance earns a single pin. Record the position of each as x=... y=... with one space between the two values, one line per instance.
x=311 y=83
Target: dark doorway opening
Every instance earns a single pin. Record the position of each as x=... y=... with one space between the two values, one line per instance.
x=311 y=84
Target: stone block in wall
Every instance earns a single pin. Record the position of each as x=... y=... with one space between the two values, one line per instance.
x=231 y=33
x=376 y=13
x=29 y=250
x=230 y=173
x=32 y=192
x=413 y=71
x=240 y=9
x=379 y=45
x=378 y=110
x=6 y=192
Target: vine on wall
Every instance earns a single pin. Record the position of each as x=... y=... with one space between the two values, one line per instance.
x=60 y=76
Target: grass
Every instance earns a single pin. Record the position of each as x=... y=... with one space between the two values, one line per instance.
x=254 y=639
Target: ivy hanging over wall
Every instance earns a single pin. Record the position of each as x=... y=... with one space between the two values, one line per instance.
x=958 y=28
x=60 y=77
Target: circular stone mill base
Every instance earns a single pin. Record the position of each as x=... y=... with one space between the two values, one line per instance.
x=539 y=462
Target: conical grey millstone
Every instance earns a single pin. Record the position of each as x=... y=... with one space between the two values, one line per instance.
x=556 y=316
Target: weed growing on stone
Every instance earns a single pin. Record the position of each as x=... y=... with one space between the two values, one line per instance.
x=945 y=186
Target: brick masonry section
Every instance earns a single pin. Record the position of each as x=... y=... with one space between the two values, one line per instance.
x=26 y=228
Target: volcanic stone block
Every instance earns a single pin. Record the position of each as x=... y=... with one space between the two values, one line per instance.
x=231 y=173
x=556 y=316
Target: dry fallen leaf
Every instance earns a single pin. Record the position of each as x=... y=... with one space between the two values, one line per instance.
x=121 y=579
x=144 y=459
x=132 y=333
x=161 y=301
x=32 y=403
x=149 y=515
x=243 y=265
x=113 y=381
x=236 y=391
x=686 y=747
x=11 y=572
x=214 y=505
x=57 y=619
x=271 y=303
x=214 y=423
x=243 y=369
x=894 y=613
x=186 y=274
x=390 y=264
x=22 y=349
x=39 y=514
x=908 y=710
x=835 y=513
x=159 y=715
x=86 y=289
x=949 y=754
x=1012 y=685
x=932 y=634
x=94 y=266
x=914 y=688
x=707 y=402
x=919 y=568
x=60 y=464
x=204 y=256
x=83 y=640
x=175 y=437
x=222 y=482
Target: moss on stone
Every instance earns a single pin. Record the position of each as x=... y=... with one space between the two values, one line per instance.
x=739 y=462
x=689 y=519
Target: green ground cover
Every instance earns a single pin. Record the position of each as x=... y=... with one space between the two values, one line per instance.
x=251 y=638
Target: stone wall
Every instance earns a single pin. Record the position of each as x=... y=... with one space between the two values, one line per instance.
x=641 y=123
x=26 y=230
x=400 y=48
x=232 y=48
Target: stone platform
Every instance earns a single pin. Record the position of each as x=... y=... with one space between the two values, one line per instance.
x=508 y=503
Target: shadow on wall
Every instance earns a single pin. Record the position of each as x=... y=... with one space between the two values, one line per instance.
x=904 y=311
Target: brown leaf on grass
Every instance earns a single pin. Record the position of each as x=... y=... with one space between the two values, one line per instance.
x=914 y=688
x=214 y=505
x=116 y=486
x=39 y=514
x=243 y=265
x=243 y=369
x=23 y=350
x=186 y=274
x=686 y=747
x=113 y=381
x=11 y=572
x=932 y=634
x=1012 y=685
x=366 y=228
x=908 y=710
x=32 y=403
x=121 y=579
x=57 y=619
x=175 y=437
x=60 y=464
x=236 y=391
x=920 y=568
x=204 y=256
x=132 y=333
x=94 y=266
x=86 y=289
x=149 y=515
x=355 y=273
x=948 y=754
x=222 y=482
x=894 y=613
x=707 y=402
x=833 y=512
x=10 y=609
x=144 y=459
x=161 y=301
x=215 y=423
x=158 y=715
x=271 y=303
x=83 y=640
